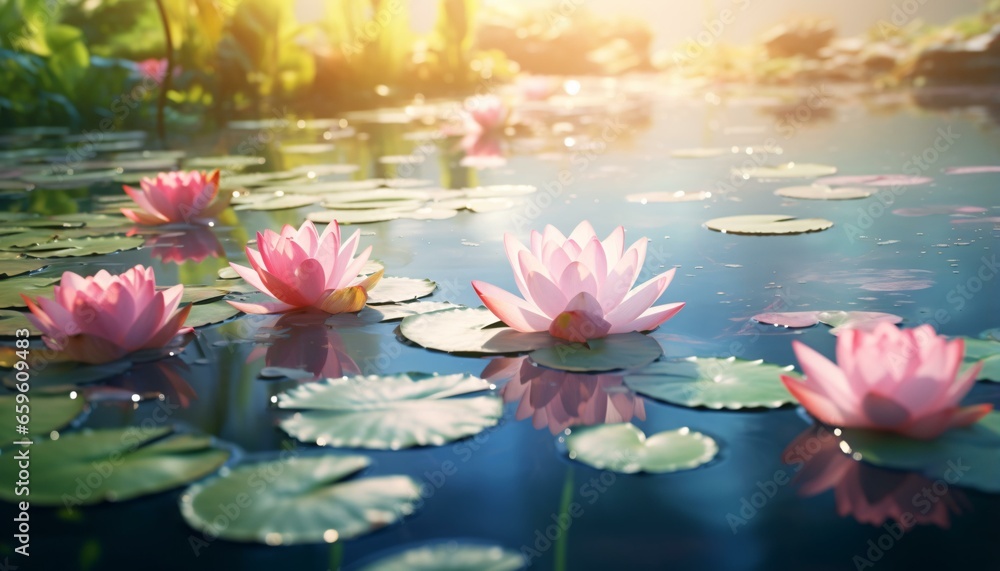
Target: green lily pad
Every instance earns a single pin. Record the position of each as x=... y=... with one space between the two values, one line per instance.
x=47 y=413
x=478 y=205
x=450 y=557
x=204 y=314
x=14 y=268
x=201 y=294
x=767 y=224
x=228 y=273
x=397 y=311
x=976 y=448
x=12 y=321
x=823 y=192
x=789 y=170
x=844 y=320
x=324 y=186
x=308 y=148
x=354 y=216
x=85 y=247
x=624 y=448
x=499 y=191
x=677 y=196
x=390 y=412
x=395 y=290
x=69 y=179
x=987 y=351
x=401 y=205
x=623 y=351
x=714 y=383
x=307 y=502
x=227 y=162
x=114 y=464
x=11 y=290
x=274 y=202
x=67 y=376
x=470 y=330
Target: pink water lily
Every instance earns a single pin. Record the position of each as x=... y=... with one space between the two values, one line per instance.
x=105 y=317
x=578 y=288
x=898 y=380
x=485 y=114
x=177 y=197
x=300 y=269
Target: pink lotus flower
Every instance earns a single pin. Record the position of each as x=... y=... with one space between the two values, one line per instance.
x=104 y=317
x=485 y=114
x=559 y=400
x=155 y=69
x=578 y=288
x=177 y=197
x=903 y=381
x=300 y=269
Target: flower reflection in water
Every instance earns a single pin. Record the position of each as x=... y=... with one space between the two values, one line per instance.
x=162 y=379
x=869 y=494
x=303 y=341
x=560 y=399
x=194 y=244
x=483 y=150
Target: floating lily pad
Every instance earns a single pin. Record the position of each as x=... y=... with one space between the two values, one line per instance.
x=714 y=383
x=431 y=213
x=623 y=351
x=325 y=186
x=396 y=311
x=390 y=412
x=874 y=180
x=823 y=192
x=11 y=290
x=973 y=169
x=864 y=320
x=47 y=413
x=624 y=448
x=308 y=148
x=470 y=330
x=67 y=375
x=11 y=321
x=354 y=216
x=699 y=152
x=450 y=557
x=138 y=462
x=227 y=273
x=499 y=191
x=975 y=447
x=792 y=319
x=275 y=202
x=70 y=179
x=201 y=294
x=676 y=196
x=767 y=224
x=14 y=268
x=307 y=502
x=394 y=290
x=789 y=170
x=987 y=351
x=225 y=162
x=204 y=314
x=480 y=205
x=85 y=247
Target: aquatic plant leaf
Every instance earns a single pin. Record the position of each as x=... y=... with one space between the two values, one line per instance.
x=395 y=290
x=397 y=311
x=203 y=314
x=68 y=375
x=622 y=351
x=48 y=413
x=714 y=383
x=625 y=449
x=85 y=247
x=11 y=321
x=789 y=170
x=767 y=224
x=823 y=192
x=792 y=319
x=112 y=464
x=865 y=320
x=676 y=196
x=389 y=412
x=469 y=330
x=874 y=180
x=14 y=268
x=450 y=556
x=309 y=501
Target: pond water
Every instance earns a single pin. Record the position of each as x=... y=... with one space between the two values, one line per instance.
x=511 y=484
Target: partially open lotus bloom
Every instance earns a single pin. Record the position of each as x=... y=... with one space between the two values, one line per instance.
x=898 y=380
x=300 y=269
x=104 y=317
x=578 y=288
x=153 y=68
x=185 y=197
x=485 y=114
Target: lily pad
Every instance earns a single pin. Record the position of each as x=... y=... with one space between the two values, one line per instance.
x=987 y=351
x=11 y=290
x=767 y=224
x=69 y=179
x=699 y=152
x=874 y=180
x=823 y=192
x=225 y=162
x=470 y=330
x=976 y=447
x=201 y=294
x=308 y=502
x=792 y=319
x=67 y=375
x=397 y=311
x=714 y=383
x=390 y=412
x=354 y=216
x=14 y=268
x=789 y=170
x=676 y=196
x=275 y=202
x=973 y=169
x=450 y=557
x=864 y=320
x=138 y=462
x=227 y=273
x=623 y=351
x=47 y=413
x=11 y=321
x=624 y=448
x=394 y=290
x=85 y=247
x=203 y=314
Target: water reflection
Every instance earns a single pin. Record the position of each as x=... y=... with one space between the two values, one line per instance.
x=869 y=494
x=162 y=379
x=559 y=399
x=303 y=341
x=190 y=244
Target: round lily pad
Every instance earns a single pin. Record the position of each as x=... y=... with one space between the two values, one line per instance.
x=624 y=448
x=203 y=314
x=85 y=247
x=226 y=162
x=874 y=180
x=623 y=351
x=13 y=268
x=676 y=196
x=394 y=290
x=450 y=557
x=792 y=319
x=47 y=413
x=298 y=499
x=397 y=311
x=470 y=330
x=865 y=320
x=714 y=383
x=767 y=224
x=972 y=453
x=355 y=216
x=390 y=412
x=68 y=375
x=12 y=321
x=11 y=290
x=823 y=192
x=789 y=170
x=275 y=202
x=113 y=464
x=987 y=351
